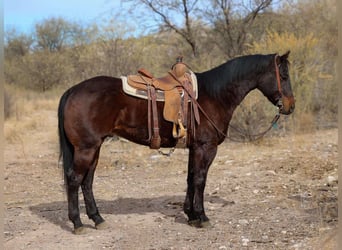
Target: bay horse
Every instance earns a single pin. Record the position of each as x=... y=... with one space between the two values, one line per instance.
x=98 y=108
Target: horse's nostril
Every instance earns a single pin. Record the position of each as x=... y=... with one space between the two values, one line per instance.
x=292 y=108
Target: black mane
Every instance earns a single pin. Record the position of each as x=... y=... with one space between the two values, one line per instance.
x=216 y=80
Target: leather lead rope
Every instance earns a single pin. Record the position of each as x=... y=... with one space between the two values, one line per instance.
x=255 y=136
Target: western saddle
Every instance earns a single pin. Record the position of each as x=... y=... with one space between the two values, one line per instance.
x=178 y=92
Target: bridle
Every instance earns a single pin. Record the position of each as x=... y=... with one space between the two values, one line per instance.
x=280 y=102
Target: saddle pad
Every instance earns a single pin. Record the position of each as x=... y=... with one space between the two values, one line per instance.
x=128 y=89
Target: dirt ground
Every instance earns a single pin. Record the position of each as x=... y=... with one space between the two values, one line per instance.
x=279 y=193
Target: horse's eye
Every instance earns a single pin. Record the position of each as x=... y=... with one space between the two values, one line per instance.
x=283 y=73
x=283 y=77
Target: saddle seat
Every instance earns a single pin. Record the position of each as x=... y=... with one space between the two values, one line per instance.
x=173 y=79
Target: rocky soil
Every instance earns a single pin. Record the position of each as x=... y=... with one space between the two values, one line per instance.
x=278 y=193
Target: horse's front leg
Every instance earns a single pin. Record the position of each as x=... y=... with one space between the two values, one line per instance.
x=200 y=159
x=189 y=198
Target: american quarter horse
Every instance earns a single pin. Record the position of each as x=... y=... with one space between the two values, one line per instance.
x=98 y=108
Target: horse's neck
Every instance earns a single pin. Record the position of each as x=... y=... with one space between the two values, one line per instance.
x=228 y=95
x=239 y=91
x=226 y=103
x=230 y=92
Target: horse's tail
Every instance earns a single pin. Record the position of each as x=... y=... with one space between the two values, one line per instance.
x=66 y=153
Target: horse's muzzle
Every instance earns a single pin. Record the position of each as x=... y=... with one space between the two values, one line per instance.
x=286 y=105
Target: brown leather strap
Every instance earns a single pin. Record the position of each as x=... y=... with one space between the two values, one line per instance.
x=185 y=107
x=278 y=75
x=188 y=88
x=149 y=112
x=155 y=140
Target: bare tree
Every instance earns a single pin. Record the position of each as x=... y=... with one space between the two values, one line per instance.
x=227 y=23
x=231 y=21
x=177 y=16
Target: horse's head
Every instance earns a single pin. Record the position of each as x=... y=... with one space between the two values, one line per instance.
x=276 y=84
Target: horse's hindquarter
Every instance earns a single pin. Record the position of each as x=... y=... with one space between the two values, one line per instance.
x=98 y=108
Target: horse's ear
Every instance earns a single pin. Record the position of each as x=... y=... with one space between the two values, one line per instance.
x=283 y=58
x=286 y=55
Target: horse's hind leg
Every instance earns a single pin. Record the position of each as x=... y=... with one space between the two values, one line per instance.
x=87 y=189
x=73 y=182
x=82 y=173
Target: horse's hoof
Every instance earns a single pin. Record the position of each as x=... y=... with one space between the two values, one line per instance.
x=101 y=226
x=194 y=223
x=200 y=224
x=80 y=230
x=205 y=224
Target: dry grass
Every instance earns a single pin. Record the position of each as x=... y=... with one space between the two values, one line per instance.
x=32 y=113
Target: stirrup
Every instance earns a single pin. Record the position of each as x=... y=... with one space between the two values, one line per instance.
x=181 y=131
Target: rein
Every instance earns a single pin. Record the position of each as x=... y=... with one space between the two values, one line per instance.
x=255 y=136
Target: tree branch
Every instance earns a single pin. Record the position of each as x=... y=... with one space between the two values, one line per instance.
x=186 y=8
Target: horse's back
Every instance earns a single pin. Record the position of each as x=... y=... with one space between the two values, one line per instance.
x=97 y=85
